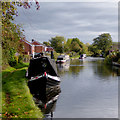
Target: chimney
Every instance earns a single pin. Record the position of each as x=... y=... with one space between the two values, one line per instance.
x=32 y=40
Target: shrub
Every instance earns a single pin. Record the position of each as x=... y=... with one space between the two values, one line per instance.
x=113 y=57
x=26 y=58
x=108 y=60
x=14 y=61
x=118 y=61
x=20 y=59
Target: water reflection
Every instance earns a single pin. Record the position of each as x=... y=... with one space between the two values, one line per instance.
x=76 y=66
x=48 y=105
x=105 y=71
x=71 y=67
x=62 y=67
x=98 y=66
x=89 y=90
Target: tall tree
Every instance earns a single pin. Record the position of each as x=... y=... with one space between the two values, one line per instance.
x=67 y=45
x=94 y=50
x=47 y=43
x=103 y=42
x=11 y=33
x=76 y=45
x=58 y=43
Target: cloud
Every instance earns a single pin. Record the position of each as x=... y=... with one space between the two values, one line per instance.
x=85 y=20
x=43 y=32
x=77 y=0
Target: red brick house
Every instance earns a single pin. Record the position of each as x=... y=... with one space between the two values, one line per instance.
x=38 y=47
x=49 y=49
x=35 y=46
x=27 y=47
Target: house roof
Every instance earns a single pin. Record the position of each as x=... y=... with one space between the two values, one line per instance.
x=26 y=42
x=37 y=42
x=40 y=44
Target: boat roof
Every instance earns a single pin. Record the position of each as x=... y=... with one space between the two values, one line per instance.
x=61 y=56
x=36 y=67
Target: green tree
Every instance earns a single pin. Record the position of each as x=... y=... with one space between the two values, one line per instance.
x=11 y=33
x=84 y=49
x=58 y=43
x=75 y=46
x=67 y=45
x=103 y=42
x=94 y=50
x=47 y=43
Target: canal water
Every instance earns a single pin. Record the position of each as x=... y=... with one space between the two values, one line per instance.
x=89 y=89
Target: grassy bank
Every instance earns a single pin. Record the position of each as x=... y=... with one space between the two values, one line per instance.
x=75 y=57
x=17 y=101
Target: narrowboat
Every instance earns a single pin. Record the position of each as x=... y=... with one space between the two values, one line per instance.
x=82 y=56
x=62 y=58
x=42 y=73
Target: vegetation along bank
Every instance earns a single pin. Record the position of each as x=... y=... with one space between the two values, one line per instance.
x=17 y=102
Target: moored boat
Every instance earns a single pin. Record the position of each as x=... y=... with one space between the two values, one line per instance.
x=62 y=58
x=82 y=56
x=42 y=73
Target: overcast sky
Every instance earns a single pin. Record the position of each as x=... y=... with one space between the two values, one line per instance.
x=84 y=20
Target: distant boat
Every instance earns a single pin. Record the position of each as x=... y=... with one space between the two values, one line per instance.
x=82 y=56
x=62 y=58
x=42 y=73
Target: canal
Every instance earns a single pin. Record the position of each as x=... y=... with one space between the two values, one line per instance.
x=89 y=89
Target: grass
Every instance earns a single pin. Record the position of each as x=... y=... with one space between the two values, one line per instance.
x=73 y=57
x=21 y=65
x=17 y=101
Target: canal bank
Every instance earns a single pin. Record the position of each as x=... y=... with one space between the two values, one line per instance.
x=17 y=102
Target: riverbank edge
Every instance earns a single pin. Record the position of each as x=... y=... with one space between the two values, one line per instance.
x=17 y=102
x=75 y=57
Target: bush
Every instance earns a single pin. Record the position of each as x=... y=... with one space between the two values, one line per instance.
x=14 y=61
x=20 y=59
x=113 y=57
x=108 y=60
x=26 y=58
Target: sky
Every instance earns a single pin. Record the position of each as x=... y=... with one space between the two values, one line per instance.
x=84 y=20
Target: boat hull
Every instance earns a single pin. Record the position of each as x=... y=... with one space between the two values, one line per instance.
x=40 y=83
x=60 y=61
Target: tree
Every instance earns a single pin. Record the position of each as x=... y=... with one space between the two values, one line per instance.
x=67 y=45
x=11 y=33
x=94 y=50
x=87 y=44
x=103 y=42
x=76 y=45
x=58 y=43
x=47 y=43
x=84 y=49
